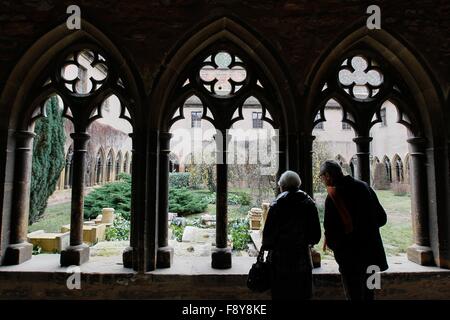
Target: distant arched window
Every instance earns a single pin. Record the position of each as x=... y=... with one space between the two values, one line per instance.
x=126 y=163
x=398 y=170
x=388 y=168
x=109 y=167
x=68 y=169
x=99 y=168
x=118 y=166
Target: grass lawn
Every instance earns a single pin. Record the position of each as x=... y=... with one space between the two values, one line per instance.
x=54 y=217
x=397 y=233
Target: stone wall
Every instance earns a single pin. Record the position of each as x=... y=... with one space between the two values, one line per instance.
x=44 y=285
x=299 y=32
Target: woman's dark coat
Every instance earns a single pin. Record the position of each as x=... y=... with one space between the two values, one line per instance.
x=292 y=225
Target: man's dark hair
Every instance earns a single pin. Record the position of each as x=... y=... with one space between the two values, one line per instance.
x=331 y=167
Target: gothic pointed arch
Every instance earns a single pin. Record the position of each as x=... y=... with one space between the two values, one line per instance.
x=99 y=166
x=118 y=164
x=398 y=169
x=247 y=68
x=56 y=64
x=224 y=30
x=410 y=85
x=408 y=74
x=109 y=165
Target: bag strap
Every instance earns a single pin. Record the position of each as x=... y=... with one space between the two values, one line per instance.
x=261 y=255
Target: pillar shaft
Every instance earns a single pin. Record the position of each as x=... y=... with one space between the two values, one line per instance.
x=163 y=209
x=222 y=190
x=420 y=252
x=165 y=253
x=363 y=155
x=281 y=150
x=306 y=145
x=78 y=168
x=130 y=254
x=221 y=255
x=419 y=190
x=22 y=180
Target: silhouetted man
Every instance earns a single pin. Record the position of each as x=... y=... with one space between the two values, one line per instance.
x=353 y=216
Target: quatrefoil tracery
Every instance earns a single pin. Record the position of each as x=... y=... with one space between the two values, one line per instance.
x=360 y=77
x=222 y=74
x=84 y=72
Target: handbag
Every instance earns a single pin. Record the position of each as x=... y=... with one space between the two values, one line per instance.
x=260 y=273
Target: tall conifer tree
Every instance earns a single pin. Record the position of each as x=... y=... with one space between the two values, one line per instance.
x=48 y=158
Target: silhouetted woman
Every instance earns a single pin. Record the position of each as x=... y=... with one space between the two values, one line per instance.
x=292 y=225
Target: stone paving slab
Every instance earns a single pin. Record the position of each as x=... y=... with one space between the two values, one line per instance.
x=194 y=265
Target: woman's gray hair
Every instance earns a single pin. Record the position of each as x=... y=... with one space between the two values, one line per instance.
x=289 y=180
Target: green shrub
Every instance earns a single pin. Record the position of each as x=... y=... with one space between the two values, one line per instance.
x=234 y=198
x=240 y=236
x=177 y=231
x=120 y=230
x=115 y=195
x=243 y=198
x=179 y=180
x=184 y=202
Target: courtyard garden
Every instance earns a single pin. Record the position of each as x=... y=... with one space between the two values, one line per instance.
x=193 y=209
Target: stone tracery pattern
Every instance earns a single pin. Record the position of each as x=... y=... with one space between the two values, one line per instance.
x=223 y=74
x=360 y=77
x=84 y=72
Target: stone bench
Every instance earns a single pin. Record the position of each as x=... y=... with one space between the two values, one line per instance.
x=92 y=233
x=49 y=242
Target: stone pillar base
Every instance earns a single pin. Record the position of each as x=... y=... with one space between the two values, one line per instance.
x=420 y=254
x=127 y=258
x=74 y=255
x=164 y=258
x=18 y=253
x=316 y=258
x=221 y=258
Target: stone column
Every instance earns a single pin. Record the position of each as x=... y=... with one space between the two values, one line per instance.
x=164 y=253
x=308 y=179
x=19 y=250
x=281 y=145
x=221 y=255
x=129 y=255
x=306 y=147
x=77 y=253
x=420 y=252
x=363 y=155
x=147 y=224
